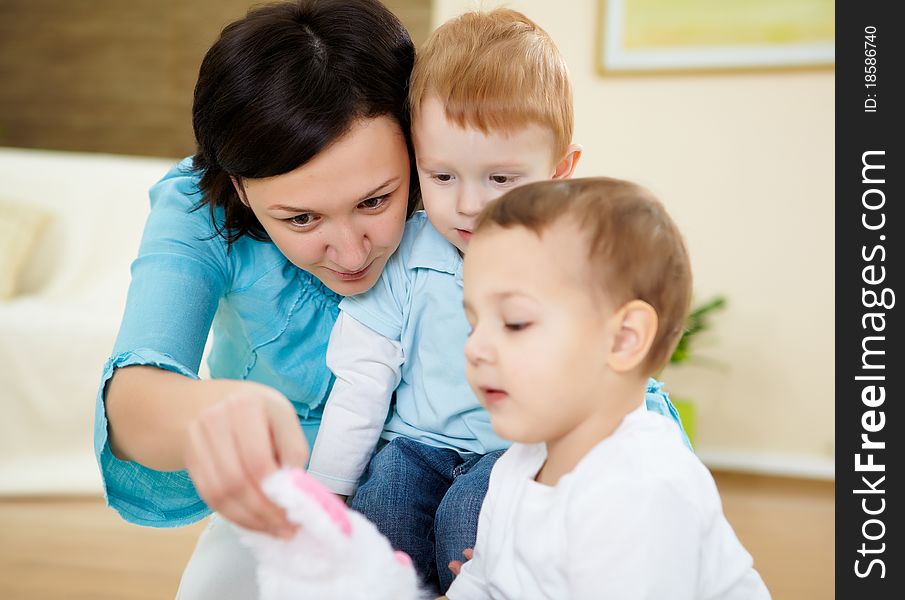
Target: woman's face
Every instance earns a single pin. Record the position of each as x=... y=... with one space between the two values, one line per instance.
x=340 y=215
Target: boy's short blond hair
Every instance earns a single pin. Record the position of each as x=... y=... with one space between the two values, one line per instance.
x=495 y=71
x=635 y=250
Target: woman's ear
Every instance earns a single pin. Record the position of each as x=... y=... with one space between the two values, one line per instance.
x=635 y=326
x=240 y=190
x=566 y=166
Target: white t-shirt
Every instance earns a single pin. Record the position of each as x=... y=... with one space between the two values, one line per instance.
x=638 y=517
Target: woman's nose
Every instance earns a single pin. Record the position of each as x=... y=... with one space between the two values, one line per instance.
x=351 y=249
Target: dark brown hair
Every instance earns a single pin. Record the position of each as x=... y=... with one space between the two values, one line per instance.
x=634 y=248
x=285 y=82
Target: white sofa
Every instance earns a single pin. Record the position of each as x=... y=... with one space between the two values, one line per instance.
x=56 y=333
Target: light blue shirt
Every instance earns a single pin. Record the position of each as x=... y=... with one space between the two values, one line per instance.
x=271 y=322
x=418 y=302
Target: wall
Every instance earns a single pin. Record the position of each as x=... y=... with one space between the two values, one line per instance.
x=745 y=164
x=115 y=76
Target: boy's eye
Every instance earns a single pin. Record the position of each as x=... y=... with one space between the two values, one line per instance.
x=517 y=326
x=375 y=202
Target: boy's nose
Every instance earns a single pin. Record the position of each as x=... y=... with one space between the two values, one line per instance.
x=470 y=203
x=476 y=349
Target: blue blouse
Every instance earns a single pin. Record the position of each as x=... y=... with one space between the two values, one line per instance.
x=270 y=322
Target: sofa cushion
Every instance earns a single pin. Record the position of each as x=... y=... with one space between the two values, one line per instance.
x=21 y=226
x=56 y=334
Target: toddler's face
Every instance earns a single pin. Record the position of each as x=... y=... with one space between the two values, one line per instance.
x=537 y=353
x=461 y=170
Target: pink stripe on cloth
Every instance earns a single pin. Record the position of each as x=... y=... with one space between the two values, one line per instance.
x=332 y=505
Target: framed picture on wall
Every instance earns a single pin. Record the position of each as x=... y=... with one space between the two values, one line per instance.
x=644 y=36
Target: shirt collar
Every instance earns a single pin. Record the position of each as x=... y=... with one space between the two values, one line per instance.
x=430 y=250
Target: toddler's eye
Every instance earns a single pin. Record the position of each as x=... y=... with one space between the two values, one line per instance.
x=517 y=326
x=502 y=179
x=443 y=177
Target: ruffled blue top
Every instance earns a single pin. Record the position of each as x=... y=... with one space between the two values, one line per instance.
x=270 y=323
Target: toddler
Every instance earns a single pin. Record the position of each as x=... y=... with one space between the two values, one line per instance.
x=576 y=292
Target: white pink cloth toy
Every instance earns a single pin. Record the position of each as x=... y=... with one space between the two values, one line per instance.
x=336 y=554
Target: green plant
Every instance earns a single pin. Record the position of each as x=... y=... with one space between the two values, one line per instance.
x=698 y=320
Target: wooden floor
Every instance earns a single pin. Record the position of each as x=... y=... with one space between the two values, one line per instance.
x=789 y=527
x=78 y=550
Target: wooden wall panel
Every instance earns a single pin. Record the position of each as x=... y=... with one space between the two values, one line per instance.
x=112 y=75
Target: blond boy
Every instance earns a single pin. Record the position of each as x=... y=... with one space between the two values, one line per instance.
x=576 y=293
x=491 y=109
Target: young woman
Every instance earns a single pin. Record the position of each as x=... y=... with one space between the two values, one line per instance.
x=297 y=196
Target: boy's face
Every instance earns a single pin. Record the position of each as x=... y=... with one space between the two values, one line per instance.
x=461 y=170
x=541 y=333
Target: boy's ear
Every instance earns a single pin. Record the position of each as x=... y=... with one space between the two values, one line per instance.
x=566 y=166
x=635 y=326
x=240 y=190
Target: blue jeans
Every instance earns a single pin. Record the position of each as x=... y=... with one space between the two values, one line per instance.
x=426 y=500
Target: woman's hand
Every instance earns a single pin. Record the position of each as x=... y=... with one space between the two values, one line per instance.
x=234 y=444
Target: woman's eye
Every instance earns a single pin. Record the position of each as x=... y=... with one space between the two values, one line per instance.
x=517 y=326
x=375 y=202
x=302 y=220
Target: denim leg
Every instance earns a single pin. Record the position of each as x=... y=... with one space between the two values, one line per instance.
x=456 y=524
x=405 y=483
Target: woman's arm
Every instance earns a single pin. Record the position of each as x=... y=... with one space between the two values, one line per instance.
x=150 y=410
x=155 y=415
x=229 y=434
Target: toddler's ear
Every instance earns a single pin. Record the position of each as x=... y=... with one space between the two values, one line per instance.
x=635 y=327
x=566 y=166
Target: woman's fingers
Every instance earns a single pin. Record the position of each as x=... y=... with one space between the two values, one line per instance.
x=230 y=451
x=227 y=488
x=208 y=477
x=236 y=512
x=288 y=438
x=253 y=438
